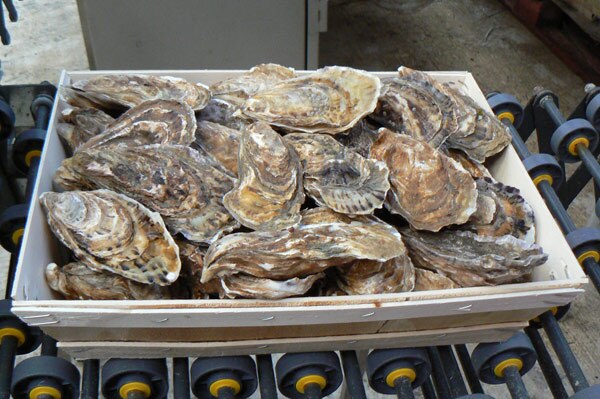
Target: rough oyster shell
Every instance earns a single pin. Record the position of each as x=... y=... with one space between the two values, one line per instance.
x=471 y=260
x=237 y=89
x=109 y=231
x=474 y=168
x=428 y=189
x=416 y=108
x=77 y=281
x=364 y=277
x=511 y=214
x=176 y=181
x=113 y=91
x=359 y=139
x=152 y=122
x=268 y=194
x=78 y=125
x=220 y=143
x=337 y=177
x=245 y=286
x=323 y=239
x=426 y=280
x=224 y=113
x=330 y=100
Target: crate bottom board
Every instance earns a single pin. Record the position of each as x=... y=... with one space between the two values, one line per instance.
x=134 y=349
x=414 y=326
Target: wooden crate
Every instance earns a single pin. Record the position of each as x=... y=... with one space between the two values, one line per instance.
x=194 y=327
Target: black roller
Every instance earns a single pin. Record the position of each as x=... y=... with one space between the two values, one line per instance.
x=45 y=373
x=12 y=226
x=592 y=392
x=7 y=119
x=26 y=146
x=120 y=373
x=541 y=165
x=33 y=335
x=488 y=356
x=507 y=105
x=210 y=374
x=566 y=135
x=382 y=363
x=592 y=111
x=585 y=242
x=293 y=369
x=559 y=312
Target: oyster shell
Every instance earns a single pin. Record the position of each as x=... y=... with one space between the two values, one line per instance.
x=426 y=280
x=78 y=125
x=237 y=89
x=416 y=108
x=472 y=260
x=428 y=189
x=77 y=281
x=109 y=231
x=176 y=181
x=330 y=100
x=359 y=139
x=364 y=277
x=220 y=143
x=337 y=177
x=224 y=113
x=323 y=239
x=268 y=194
x=152 y=122
x=245 y=286
x=474 y=168
x=510 y=213
x=126 y=91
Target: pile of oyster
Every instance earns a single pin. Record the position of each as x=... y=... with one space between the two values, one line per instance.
x=272 y=185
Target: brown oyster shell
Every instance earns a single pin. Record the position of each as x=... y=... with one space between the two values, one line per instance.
x=365 y=277
x=78 y=125
x=224 y=113
x=152 y=122
x=77 y=281
x=337 y=177
x=474 y=168
x=323 y=239
x=219 y=142
x=237 y=89
x=268 y=193
x=426 y=280
x=185 y=187
x=358 y=139
x=416 y=108
x=126 y=91
x=246 y=286
x=471 y=260
x=428 y=189
x=330 y=100
x=109 y=231
x=510 y=213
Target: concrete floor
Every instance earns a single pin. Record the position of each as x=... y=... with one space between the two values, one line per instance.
x=480 y=36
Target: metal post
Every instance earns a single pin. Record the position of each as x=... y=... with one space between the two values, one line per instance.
x=514 y=382
x=89 y=381
x=455 y=379
x=468 y=369
x=48 y=346
x=313 y=391
x=563 y=351
x=266 y=377
x=439 y=376
x=403 y=388
x=181 y=378
x=428 y=390
x=353 y=375
x=546 y=364
x=8 y=351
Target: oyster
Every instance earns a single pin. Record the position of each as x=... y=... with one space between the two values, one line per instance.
x=268 y=194
x=192 y=263
x=78 y=125
x=323 y=239
x=220 y=143
x=330 y=100
x=77 y=281
x=474 y=168
x=428 y=189
x=337 y=177
x=426 y=280
x=416 y=108
x=175 y=181
x=126 y=91
x=472 y=260
x=364 y=277
x=510 y=213
x=109 y=231
x=245 y=286
x=152 y=122
x=223 y=113
x=359 y=139
x=237 y=89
